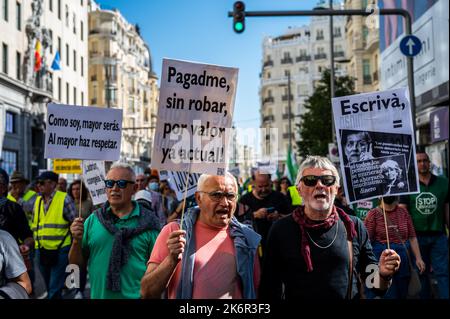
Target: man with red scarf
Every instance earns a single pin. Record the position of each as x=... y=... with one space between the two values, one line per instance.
x=308 y=253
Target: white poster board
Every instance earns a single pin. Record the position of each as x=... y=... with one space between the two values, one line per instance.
x=195 y=111
x=94 y=179
x=376 y=143
x=78 y=132
x=177 y=181
x=267 y=167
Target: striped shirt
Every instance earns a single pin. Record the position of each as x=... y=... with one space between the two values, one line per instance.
x=399 y=219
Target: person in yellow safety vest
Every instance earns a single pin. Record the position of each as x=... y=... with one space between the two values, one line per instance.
x=19 y=194
x=290 y=191
x=54 y=211
x=296 y=199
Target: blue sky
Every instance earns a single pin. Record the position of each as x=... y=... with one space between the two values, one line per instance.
x=201 y=31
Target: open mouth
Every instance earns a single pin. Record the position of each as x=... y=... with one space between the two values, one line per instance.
x=222 y=212
x=320 y=197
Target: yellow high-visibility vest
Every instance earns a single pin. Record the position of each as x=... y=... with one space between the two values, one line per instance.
x=11 y=198
x=52 y=228
x=28 y=195
x=295 y=196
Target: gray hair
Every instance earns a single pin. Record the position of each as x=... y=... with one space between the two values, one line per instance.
x=317 y=162
x=123 y=165
x=204 y=177
x=390 y=164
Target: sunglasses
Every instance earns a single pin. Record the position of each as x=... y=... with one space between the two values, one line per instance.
x=311 y=180
x=121 y=183
x=217 y=196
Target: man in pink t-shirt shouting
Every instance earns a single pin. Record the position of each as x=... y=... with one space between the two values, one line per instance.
x=212 y=257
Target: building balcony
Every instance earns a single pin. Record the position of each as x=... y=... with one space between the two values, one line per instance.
x=320 y=56
x=286 y=116
x=372 y=41
x=268 y=99
x=287 y=135
x=287 y=61
x=367 y=79
x=268 y=63
x=339 y=54
x=268 y=118
x=286 y=97
x=303 y=58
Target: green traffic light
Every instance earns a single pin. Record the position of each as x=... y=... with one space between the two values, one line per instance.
x=238 y=26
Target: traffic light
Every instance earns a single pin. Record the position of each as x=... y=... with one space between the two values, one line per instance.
x=239 y=17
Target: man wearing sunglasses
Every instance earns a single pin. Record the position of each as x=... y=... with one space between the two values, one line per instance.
x=213 y=256
x=53 y=212
x=308 y=252
x=116 y=240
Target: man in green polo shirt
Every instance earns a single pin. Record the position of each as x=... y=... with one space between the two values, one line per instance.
x=430 y=211
x=115 y=242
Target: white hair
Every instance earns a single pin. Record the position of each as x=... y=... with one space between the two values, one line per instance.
x=204 y=177
x=126 y=166
x=314 y=161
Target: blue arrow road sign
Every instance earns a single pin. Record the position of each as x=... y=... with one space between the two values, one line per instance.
x=410 y=45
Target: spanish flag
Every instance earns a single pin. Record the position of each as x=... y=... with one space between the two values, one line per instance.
x=37 y=56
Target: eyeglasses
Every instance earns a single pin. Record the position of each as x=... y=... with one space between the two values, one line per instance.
x=41 y=182
x=311 y=180
x=121 y=183
x=217 y=196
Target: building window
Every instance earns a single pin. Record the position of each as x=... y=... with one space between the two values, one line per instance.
x=5 y=58
x=74 y=95
x=50 y=5
x=367 y=78
x=82 y=98
x=59 y=9
x=67 y=93
x=9 y=163
x=67 y=54
x=67 y=15
x=51 y=40
x=319 y=35
x=5 y=9
x=18 y=16
x=74 y=60
x=81 y=30
x=59 y=89
x=337 y=32
x=82 y=66
x=18 y=64
x=59 y=46
x=74 y=22
x=10 y=126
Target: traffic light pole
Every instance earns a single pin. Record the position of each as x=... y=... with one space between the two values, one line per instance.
x=353 y=12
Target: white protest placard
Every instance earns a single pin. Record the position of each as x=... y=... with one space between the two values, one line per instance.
x=177 y=181
x=376 y=143
x=94 y=179
x=195 y=111
x=78 y=132
x=266 y=167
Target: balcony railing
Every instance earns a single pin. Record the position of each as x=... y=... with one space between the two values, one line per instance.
x=286 y=97
x=286 y=116
x=268 y=63
x=286 y=135
x=339 y=54
x=320 y=56
x=286 y=61
x=302 y=58
x=268 y=99
x=269 y=118
x=320 y=38
x=367 y=79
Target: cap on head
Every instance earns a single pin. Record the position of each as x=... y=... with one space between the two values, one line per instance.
x=48 y=175
x=143 y=195
x=17 y=176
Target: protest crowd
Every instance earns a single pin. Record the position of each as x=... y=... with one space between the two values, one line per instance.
x=263 y=238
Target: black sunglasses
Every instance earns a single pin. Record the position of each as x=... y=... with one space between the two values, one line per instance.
x=217 y=196
x=121 y=183
x=311 y=180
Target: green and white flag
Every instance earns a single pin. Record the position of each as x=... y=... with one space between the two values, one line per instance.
x=291 y=166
